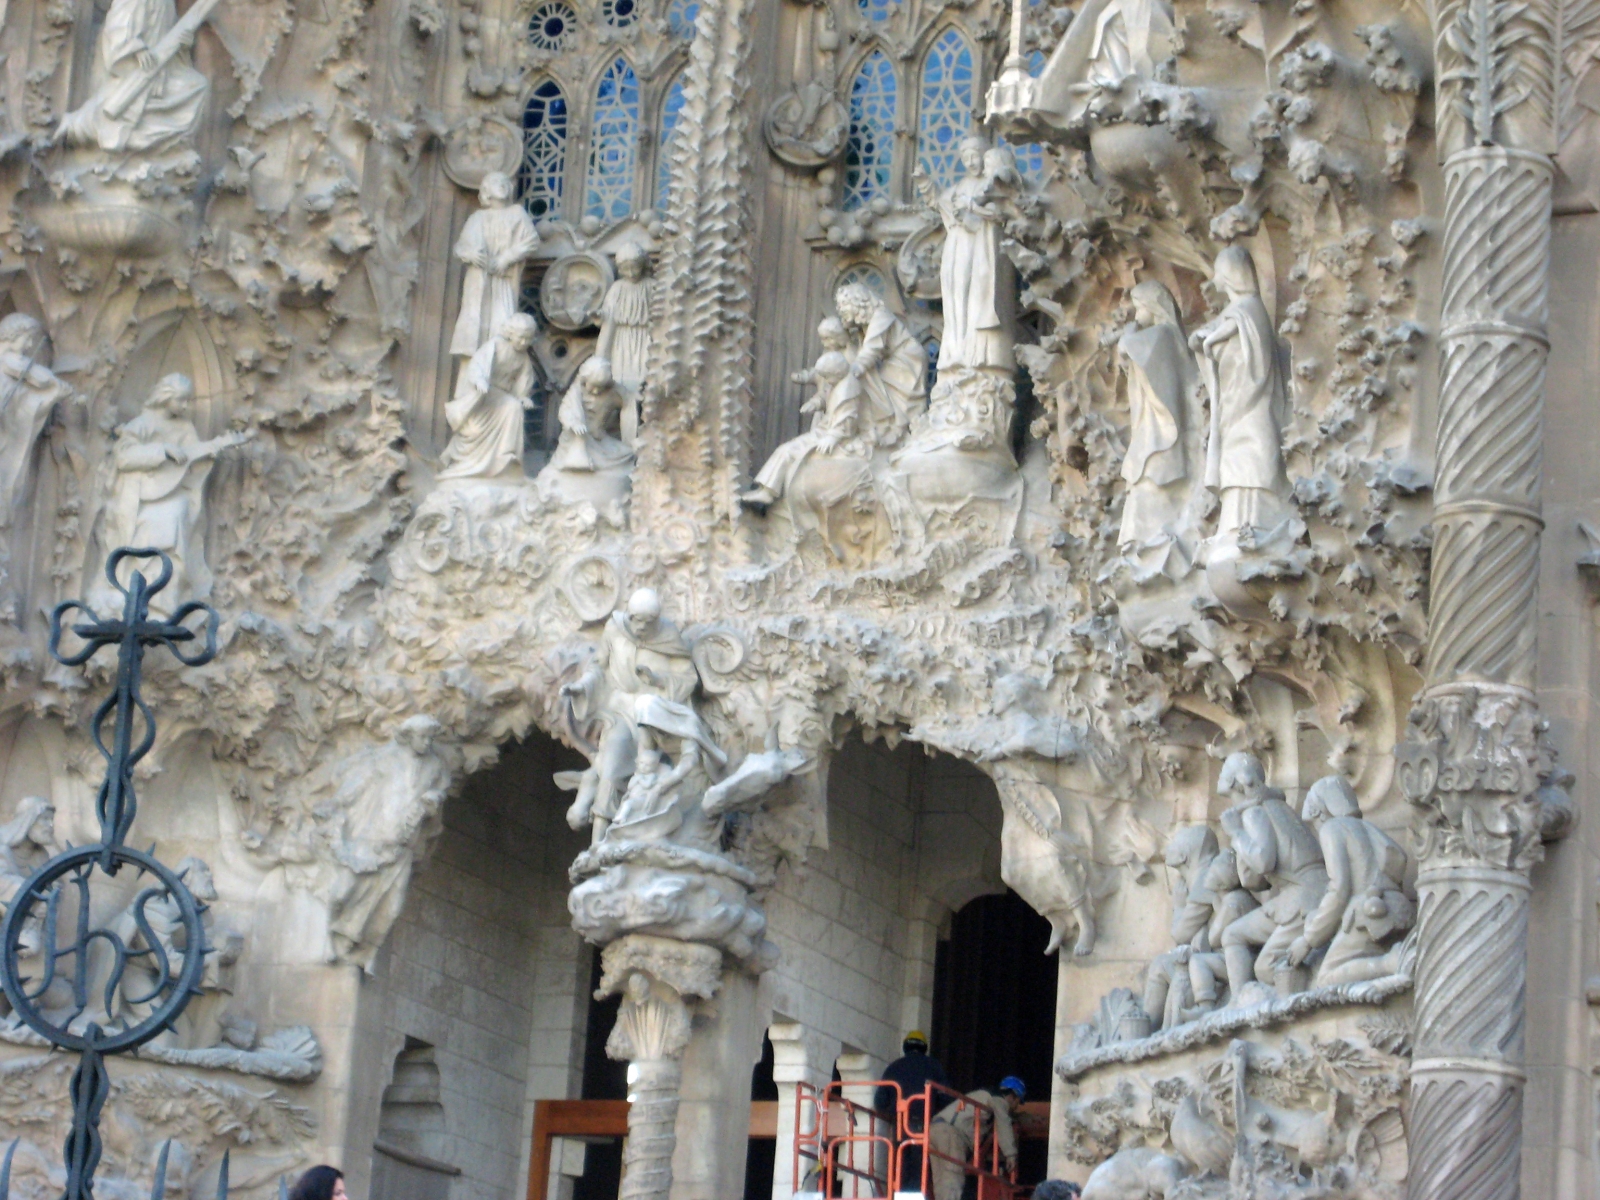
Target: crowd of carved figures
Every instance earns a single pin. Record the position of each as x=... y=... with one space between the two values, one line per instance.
x=1119 y=465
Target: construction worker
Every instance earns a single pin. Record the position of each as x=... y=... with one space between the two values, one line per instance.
x=913 y=1071
x=952 y=1135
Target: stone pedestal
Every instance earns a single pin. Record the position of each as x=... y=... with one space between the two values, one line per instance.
x=799 y=1056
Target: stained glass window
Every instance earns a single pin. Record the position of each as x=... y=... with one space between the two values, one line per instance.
x=613 y=144
x=876 y=10
x=671 y=106
x=681 y=16
x=945 y=112
x=1031 y=161
x=619 y=14
x=544 y=150
x=862 y=273
x=869 y=153
x=549 y=26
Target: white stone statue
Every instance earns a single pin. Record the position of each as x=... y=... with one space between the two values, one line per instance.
x=1244 y=373
x=29 y=393
x=1128 y=37
x=625 y=332
x=26 y=843
x=145 y=92
x=1207 y=897
x=156 y=495
x=494 y=243
x=1279 y=861
x=639 y=685
x=890 y=363
x=972 y=270
x=836 y=417
x=486 y=416
x=1161 y=377
x=592 y=406
x=1366 y=906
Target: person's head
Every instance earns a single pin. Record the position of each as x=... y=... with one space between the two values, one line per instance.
x=595 y=374
x=833 y=334
x=495 y=190
x=1057 y=1189
x=19 y=333
x=832 y=367
x=417 y=733
x=1242 y=777
x=916 y=1042
x=196 y=875
x=644 y=610
x=34 y=821
x=1330 y=796
x=1154 y=305
x=519 y=329
x=632 y=261
x=856 y=304
x=999 y=163
x=972 y=149
x=1013 y=1091
x=1191 y=846
x=1235 y=272
x=172 y=395
x=319 y=1183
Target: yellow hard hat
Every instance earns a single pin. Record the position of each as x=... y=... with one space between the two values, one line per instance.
x=916 y=1035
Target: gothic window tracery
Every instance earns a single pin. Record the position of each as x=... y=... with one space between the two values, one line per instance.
x=550 y=26
x=877 y=11
x=681 y=16
x=863 y=273
x=619 y=14
x=945 y=107
x=671 y=107
x=544 y=150
x=869 y=151
x=613 y=143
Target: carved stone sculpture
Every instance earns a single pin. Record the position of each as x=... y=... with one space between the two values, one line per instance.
x=492 y=394
x=1161 y=378
x=26 y=842
x=156 y=493
x=591 y=461
x=1280 y=861
x=890 y=363
x=1244 y=375
x=1137 y=1173
x=1366 y=906
x=974 y=277
x=1207 y=897
x=29 y=396
x=146 y=94
x=638 y=687
x=625 y=332
x=494 y=244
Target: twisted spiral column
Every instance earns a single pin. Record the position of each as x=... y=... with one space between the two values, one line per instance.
x=1471 y=759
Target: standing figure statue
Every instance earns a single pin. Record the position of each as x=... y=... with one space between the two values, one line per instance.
x=639 y=685
x=1244 y=372
x=1279 y=861
x=156 y=495
x=836 y=420
x=29 y=394
x=625 y=333
x=486 y=415
x=1207 y=897
x=145 y=93
x=890 y=363
x=1161 y=377
x=1366 y=906
x=494 y=243
x=973 y=274
x=1128 y=37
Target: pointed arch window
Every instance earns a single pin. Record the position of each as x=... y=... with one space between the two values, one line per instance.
x=944 y=110
x=877 y=11
x=544 y=150
x=613 y=144
x=671 y=107
x=681 y=15
x=869 y=152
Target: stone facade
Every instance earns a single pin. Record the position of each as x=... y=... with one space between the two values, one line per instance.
x=697 y=492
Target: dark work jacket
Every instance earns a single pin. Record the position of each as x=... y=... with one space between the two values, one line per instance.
x=912 y=1072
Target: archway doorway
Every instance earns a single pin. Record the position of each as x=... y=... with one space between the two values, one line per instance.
x=994 y=1004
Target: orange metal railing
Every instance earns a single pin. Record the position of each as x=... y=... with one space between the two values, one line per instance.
x=847 y=1149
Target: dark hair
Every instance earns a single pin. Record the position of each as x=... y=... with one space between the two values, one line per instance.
x=1056 y=1189
x=316 y=1184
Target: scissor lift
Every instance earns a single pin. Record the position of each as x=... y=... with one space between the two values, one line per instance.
x=846 y=1149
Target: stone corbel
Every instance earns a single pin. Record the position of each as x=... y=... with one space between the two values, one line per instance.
x=658 y=979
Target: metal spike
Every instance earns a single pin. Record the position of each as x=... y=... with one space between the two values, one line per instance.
x=5 y=1170
x=283 y=1188
x=222 y=1176
x=158 y=1189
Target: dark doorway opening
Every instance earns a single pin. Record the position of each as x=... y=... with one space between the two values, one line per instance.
x=994 y=1005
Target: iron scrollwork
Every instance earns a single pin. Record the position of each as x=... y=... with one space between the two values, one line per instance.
x=87 y=983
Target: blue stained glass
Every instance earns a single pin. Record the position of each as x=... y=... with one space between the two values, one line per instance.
x=1036 y=63
x=869 y=152
x=863 y=273
x=670 y=108
x=877 y=10
x=1031 y=161
x=613 y=144
x=945 y=115
x=681 y=15
x=544 y=150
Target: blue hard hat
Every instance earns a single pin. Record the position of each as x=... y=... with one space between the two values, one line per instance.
x=1015 y=1086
